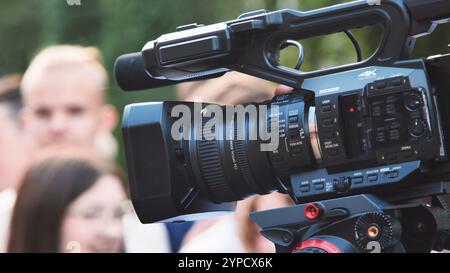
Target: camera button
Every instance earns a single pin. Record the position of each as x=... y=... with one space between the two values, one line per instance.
x=397 y=81
x=294 y=136
x=391 y=175
x=417 y=128
x=319 y=186
x=380 y=85
x=394 y=134
x=372 y=177
x=327 y=121
x=380 y=137
x=293 y=119
x=413 y=102
x=394 y=125
x=186 y=27
x=390 y=109
x=342 y=185
x=326 y=108
x=357 y=180
x=376 y=111
x=305 y=188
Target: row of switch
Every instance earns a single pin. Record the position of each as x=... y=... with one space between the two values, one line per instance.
x=377 y=110
x=294 y=135
x=392 y=82
x=318 y=186
x=326 y=108
x=330 y=134
x=412 y=103
x=393 y=134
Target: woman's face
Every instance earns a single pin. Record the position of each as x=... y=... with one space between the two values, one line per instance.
x=93 y=222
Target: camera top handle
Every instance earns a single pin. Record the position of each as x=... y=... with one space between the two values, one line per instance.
x=251 y=44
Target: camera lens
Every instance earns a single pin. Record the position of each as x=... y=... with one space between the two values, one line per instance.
x=230 y=169
x=185 y=159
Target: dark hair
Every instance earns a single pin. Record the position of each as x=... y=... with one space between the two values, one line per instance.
x=10 y=95
x=49 y=187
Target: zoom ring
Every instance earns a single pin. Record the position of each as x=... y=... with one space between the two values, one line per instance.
x=211 y=168
x=242 y=161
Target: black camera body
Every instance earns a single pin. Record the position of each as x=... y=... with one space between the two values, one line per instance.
x=358 y=146
x=376 y=127
x=409 y=201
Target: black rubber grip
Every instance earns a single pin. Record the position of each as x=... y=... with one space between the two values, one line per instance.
x=131 y=74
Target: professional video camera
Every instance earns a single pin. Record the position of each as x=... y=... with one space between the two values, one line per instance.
x=362 y=148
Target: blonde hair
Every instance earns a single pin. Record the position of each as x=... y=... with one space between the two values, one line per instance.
x=10 y=84
x=60 y=57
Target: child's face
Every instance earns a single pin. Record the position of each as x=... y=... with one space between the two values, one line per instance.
x=63 y=108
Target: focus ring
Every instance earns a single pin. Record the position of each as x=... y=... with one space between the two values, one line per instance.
x=243 y=163
x=211 y=168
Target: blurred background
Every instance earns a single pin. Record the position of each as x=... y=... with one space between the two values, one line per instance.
x=117 y=27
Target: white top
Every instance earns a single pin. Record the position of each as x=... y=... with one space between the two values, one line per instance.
x=221 y=237
x=148 y=238
x=7 y=200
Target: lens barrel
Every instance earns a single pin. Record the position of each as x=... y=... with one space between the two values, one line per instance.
x=247 y=150
x=233 y=168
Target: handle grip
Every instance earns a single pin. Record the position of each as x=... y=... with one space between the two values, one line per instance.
x=251 y=43
x=295 y=25
x=131 y=74
x=428 y=10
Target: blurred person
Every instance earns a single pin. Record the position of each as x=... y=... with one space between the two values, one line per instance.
x=13 y=150
x=12 y=140
x=68 y=203
x=64 y=92
x=235 y=233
